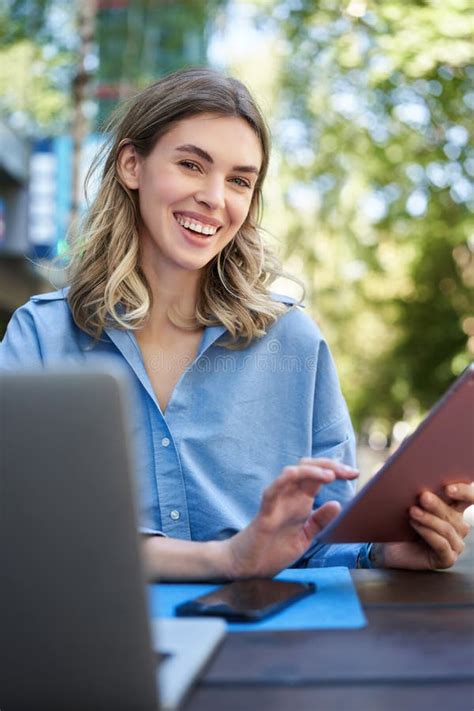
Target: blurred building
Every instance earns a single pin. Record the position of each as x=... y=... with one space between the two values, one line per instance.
x=18 y=277
x=139 y=41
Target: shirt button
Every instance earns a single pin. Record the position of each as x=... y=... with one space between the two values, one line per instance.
x=175 y=515
x=165 y=442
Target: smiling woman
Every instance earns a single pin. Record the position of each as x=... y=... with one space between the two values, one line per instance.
x=168 y=272
x=192 y=146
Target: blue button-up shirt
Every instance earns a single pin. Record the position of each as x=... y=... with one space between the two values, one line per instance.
x=234 y=420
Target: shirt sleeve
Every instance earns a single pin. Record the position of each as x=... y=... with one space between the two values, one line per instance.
x=323 y=555
x=20 y=347
x=333 y=437
x=146 y=531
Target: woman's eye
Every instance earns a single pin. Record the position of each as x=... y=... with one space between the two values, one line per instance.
x=189 y=164
x=241 y=182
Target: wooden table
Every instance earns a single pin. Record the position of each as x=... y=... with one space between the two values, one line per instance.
x=416 y=653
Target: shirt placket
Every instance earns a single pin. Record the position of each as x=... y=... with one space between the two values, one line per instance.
x=172 y=498
x=168 y=472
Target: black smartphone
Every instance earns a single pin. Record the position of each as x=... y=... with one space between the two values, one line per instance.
x=247 y=600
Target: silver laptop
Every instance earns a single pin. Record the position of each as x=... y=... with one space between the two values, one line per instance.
x=74 y=626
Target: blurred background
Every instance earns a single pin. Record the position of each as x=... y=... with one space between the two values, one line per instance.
x=370 y=197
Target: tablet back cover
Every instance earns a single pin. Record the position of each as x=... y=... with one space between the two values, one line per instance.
x=439 y=452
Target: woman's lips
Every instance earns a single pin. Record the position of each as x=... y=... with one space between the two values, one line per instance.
x=203 y=220
x=195 y=238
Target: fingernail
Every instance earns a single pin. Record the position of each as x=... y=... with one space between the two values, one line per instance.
x=453 y=489
x=327 y=472
x=417 y=513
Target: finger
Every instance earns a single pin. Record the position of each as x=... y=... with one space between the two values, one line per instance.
x=439 y=526
x=344 y=470
x=442 y=554
x=321 y=517
x=451 y=525
x=435 y=505
x=328 y=462
x=461 y=493
x=307 y=478
x=310 y=476
x=276 y=487
x=432 y=502
x=305 y=472
x=322 y=473
x=449 y=512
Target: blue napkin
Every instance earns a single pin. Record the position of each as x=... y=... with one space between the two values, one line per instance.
x=334 y=605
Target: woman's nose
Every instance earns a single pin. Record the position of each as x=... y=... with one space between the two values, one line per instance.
x=211 y=193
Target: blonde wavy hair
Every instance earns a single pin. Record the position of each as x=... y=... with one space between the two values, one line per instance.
x=107 y=285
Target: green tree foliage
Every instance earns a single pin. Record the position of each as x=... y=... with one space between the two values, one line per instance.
x=375 y=114
x=37 y=43
x=23 y=19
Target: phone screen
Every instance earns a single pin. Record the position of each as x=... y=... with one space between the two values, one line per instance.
x=247 y=599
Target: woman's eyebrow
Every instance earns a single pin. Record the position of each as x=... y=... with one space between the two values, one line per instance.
x=190 y=148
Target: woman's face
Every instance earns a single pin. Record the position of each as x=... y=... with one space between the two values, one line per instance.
x=194 y=189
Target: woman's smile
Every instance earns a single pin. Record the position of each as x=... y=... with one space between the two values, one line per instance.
x=197 y=229
x=194 y=232
x=197 y=223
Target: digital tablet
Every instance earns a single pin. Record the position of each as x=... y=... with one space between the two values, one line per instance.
x=439 y=452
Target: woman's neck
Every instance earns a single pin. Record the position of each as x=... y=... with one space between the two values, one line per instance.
x=172 y=290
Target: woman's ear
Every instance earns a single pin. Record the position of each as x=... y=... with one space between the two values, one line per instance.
x=128 y=166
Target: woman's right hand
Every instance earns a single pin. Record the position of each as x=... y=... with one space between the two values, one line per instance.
x=286 y=524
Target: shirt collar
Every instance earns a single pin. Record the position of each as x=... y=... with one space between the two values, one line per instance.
x=126 y=342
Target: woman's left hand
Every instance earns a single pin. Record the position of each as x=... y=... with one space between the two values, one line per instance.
x=442 y=530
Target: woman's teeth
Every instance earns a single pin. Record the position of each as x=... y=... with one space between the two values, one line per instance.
x=208 y=230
